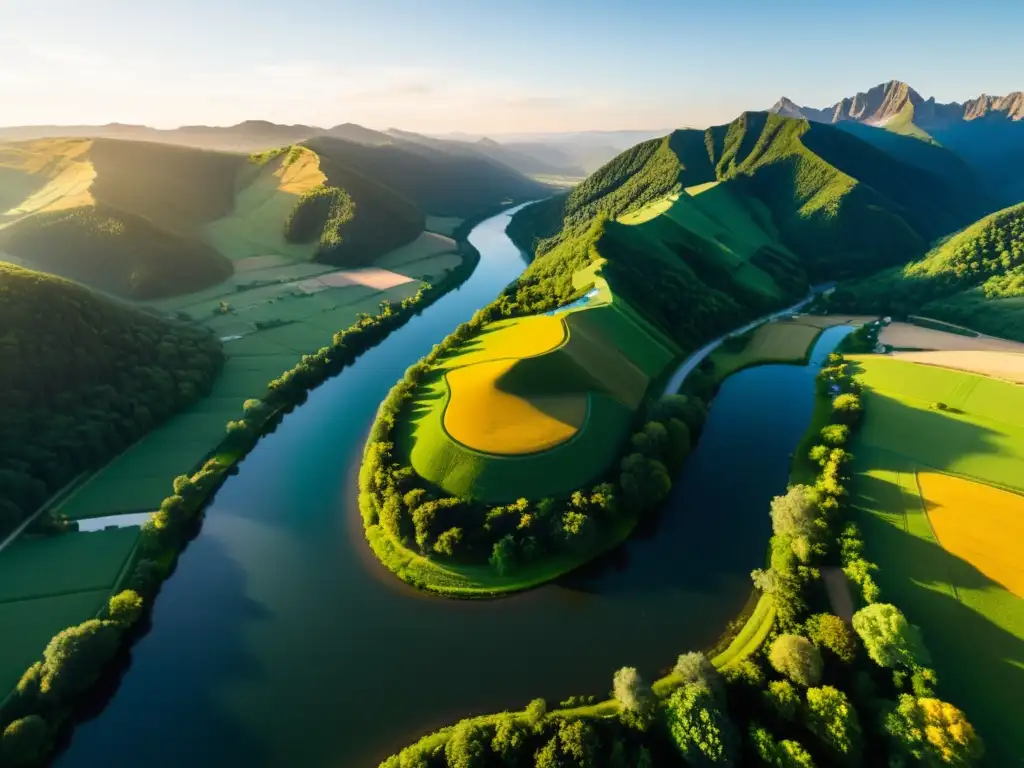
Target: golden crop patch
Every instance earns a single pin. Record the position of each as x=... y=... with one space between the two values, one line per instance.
x=483 y=417
x=978 y=523
x=523 y=337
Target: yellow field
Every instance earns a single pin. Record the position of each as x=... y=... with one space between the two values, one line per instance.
x=254 y=227
x=1000 y=365
x=696 y=189
x=483 y=417
x=516 y=339
x=979 y=524
x=649 y=211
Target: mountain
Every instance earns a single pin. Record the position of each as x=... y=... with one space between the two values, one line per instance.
x=974 y=278
x=841 y=205
x=82 y=378
x=987 y=132
x=147 y=220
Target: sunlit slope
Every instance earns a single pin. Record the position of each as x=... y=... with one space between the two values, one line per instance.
x=974 y=278
x=120 y=216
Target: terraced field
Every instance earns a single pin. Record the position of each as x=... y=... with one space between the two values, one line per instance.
x=928 y=495
x=540 y=402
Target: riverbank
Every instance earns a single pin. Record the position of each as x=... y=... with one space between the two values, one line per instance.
x=156 y=547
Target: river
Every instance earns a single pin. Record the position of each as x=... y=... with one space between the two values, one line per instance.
x=280 y=640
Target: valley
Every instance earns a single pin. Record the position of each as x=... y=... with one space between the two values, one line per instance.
x=469 y=448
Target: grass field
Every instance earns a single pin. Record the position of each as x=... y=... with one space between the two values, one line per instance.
x=533 y=406
x=50 y=583
x=781 y=341
x=973 y=626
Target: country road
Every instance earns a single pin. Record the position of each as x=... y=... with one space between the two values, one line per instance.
x=693 y=360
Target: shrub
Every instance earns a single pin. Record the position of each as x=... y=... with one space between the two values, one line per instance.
x=694 y=667
x=632 y=693
x=846 y=408
x=933 y=733
x=829 y=631
x=25 y=741
x=782 y=698
x=795 y=513
x=125 y=607
x=703 y=733
x=832 y=718
x=796 y=658
x=74 y=658
x=889 y=638
x=468 y=746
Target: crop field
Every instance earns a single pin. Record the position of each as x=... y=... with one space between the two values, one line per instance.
x=50 y=583
x=781 y=341
x=906 y=336
x=927 y=533
x=829 y=321
x=1008 y=366
x=49 y=175
x=535 y=405
x=981 y=525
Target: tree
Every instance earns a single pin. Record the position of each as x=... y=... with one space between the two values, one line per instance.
x=781 y=754
x=644 y=481
x=783 y=699
x=836 y=434
x=632 y=693
x=829 y=631
x=448 y=542
x=536 y=713
x=468 y=746
x=889 y=638
x=796 y=513
x=832 y=718
x=578 y=740
x=846 y=408
x=796 y=658
x=125 y=607
x=25 y=741
x=703 y=733
x=933 y=733
x=75 y=656
x=510 y=739
x=694 y=667
x=503 y=554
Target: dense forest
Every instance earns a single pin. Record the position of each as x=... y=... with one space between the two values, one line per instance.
x=974 y=278
x=820 y=691
x=82 y=379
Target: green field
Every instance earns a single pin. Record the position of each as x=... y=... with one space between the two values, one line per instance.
x=973 y=627
x=50 y=583
x=611 y=343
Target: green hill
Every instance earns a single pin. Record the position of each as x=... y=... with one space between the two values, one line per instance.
x=82 y=378
x=974 y=278
x=147 y=220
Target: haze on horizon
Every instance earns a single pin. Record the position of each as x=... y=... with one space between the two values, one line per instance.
x=485 y=67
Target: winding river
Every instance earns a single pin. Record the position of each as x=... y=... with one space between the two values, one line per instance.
x=281 y=641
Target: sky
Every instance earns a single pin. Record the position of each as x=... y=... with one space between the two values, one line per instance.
x=480 y=66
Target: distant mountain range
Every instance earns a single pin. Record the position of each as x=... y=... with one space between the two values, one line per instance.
x=986 y=132
x=552 y=154
x=892 y=100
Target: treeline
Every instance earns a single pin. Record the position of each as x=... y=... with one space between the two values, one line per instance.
x=76 y=657
x=819 y=692
x=513 y=535
x=954 y=281
x=82 y=379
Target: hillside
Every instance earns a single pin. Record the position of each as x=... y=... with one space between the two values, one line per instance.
x=986 y=132
x=147 y=220
x=974 y=278
x=82 y=379
x=831 y=204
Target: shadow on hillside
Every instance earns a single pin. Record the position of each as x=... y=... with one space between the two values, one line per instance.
x=980 y=663
x=162 y=700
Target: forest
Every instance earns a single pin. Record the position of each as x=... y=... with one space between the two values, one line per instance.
x=83 y=378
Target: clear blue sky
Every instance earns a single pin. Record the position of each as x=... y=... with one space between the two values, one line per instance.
x=483 y=66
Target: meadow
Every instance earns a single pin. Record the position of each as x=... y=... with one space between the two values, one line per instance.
x=49 y=583
x=974 y=625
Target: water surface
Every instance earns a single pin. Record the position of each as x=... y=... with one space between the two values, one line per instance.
x=281 y=641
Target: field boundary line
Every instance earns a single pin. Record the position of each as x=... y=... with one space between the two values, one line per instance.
x=64 y=493
x=928 y=522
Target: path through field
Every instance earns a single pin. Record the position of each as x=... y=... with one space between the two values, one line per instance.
x=838 y=589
